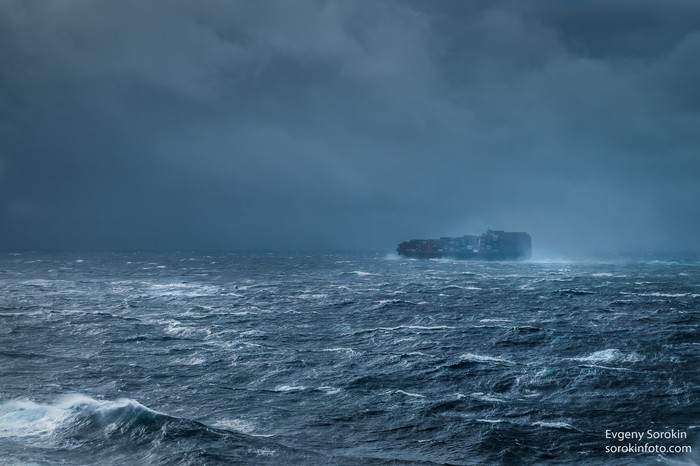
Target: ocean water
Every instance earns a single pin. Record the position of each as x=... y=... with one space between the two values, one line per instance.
x=231 y=358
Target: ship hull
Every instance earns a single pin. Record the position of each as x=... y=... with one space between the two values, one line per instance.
x=463 y=256
x=494 y=245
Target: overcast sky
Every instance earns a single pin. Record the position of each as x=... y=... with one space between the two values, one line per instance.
x=313 y=124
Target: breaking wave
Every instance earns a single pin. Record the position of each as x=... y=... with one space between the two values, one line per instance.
x=109 y=431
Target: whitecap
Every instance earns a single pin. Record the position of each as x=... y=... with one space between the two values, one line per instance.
x=177 y=329
x=610 y=355
x=471 y=357
x=253 y=333
x=554 y=425
x=20 y=418
x=489 y=398
x=417 y=327
x=193 y=361
x=312 y=296
x=665 y=295
x=414 y=395
x=465 y=288
x=182 y=290
x=328 y=390
x=405 y=327
x=596 y=366
x=418 y=353
x=382 y=302
x=429 y=327
x=601 y=356
x=361 y=273
x=289 y=388
x=262 y=452
x=42 y=282
x=37 y=421
x=235 y=425
x=348 y=351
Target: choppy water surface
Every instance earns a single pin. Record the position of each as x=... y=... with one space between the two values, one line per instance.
x=186 y=358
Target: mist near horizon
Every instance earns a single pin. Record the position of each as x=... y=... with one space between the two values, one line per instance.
x=334 y=125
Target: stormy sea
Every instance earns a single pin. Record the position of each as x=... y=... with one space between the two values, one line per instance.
x=184 y=358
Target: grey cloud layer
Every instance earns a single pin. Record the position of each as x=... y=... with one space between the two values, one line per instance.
x=353 y=125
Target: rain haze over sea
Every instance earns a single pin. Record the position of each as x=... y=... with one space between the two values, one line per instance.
x=201 y=202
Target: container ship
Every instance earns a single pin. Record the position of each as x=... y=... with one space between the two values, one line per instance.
x=492 y=245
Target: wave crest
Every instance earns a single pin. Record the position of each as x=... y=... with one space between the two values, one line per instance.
x=125 y=432
x=76 y=417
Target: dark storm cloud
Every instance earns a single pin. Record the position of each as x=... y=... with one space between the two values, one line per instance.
x=332 y=124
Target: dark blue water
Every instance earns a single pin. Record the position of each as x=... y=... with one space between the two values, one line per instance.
x=186 y=358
